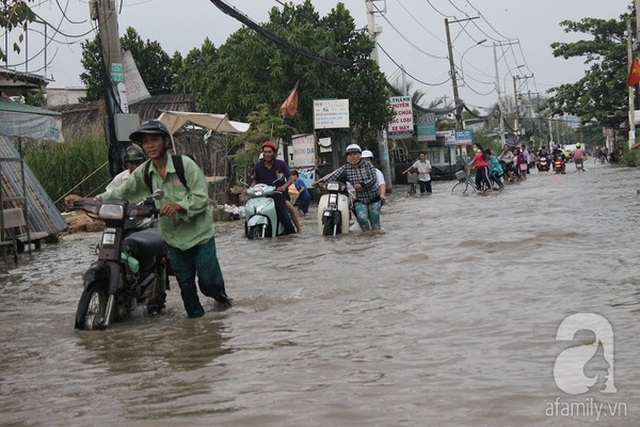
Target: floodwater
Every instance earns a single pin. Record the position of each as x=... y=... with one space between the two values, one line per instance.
x=448 y=318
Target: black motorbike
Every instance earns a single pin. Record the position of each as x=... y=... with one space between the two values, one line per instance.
x=543 y=163
x=132 y=267
x=559 y=165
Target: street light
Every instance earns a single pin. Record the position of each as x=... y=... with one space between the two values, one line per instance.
x=464 y=53
x=510 y=72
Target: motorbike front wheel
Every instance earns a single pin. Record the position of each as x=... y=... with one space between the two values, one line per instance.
x=92 y=307
x=331 y=226
x=255 y=232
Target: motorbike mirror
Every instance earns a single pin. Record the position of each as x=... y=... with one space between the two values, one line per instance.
x=158 y=194
x=279 y=178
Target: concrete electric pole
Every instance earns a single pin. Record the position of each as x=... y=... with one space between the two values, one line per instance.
x=383 y=146
x=104 y=11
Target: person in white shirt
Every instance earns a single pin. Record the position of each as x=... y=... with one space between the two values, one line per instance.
x=133 y=157
x=423 y=166
x=368 y=155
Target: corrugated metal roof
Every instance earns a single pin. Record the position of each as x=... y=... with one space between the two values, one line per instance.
x=16 y=107
x=42 y=214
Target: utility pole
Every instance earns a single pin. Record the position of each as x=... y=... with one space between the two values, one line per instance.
x=495 y=61
x=515 y=101
x=452 y=71
x=454 y=79
x=630 y=91
x=383 y=146
x=516 y=120
x=105 y=12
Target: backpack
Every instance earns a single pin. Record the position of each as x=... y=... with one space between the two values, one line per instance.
x=177 y=164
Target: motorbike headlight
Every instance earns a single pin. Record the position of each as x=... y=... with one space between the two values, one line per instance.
x=111 y=211
x=333 y=186
x=258 y=192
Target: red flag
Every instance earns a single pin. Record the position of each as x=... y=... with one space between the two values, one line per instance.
x=634 y=73
x=290 y=107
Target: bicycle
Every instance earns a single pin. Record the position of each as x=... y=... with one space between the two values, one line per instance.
x=600 y=159
x=464 y=183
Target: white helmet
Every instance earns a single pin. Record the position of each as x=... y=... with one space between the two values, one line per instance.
x=367 y=154
x=353 y=148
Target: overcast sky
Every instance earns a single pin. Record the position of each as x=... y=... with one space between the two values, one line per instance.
x=413 y=36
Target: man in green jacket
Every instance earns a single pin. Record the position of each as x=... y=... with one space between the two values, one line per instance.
x=186 y=223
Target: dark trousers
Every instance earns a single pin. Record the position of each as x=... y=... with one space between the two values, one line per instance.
x=425 y=186
x=482 y=178
x=200 y=260
x=285 y=219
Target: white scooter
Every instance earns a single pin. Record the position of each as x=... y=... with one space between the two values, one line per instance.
x=334 y=209
x=261 y=218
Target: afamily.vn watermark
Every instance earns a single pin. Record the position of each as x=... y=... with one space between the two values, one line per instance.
x=585 y=367
x=589 y=407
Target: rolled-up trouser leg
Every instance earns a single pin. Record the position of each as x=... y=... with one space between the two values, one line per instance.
x=210 y=277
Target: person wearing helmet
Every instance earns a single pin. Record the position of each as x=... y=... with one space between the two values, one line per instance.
x=362 y=175
x=368 y=156
x=578 y=157
x=133 y=157
x=186 y=222
x=272 y=171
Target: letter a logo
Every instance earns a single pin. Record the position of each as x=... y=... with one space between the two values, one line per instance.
x=569 y=369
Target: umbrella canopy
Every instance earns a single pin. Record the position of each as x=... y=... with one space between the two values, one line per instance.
x=174 y=120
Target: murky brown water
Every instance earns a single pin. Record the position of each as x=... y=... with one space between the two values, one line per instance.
x=448 y=318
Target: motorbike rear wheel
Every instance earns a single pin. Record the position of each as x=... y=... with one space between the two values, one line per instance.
x=92 y=307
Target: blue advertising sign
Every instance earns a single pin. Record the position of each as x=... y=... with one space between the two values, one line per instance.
x=464 y=137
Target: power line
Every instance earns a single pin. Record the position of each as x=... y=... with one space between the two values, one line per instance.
x=405 y=38
x=414 y=78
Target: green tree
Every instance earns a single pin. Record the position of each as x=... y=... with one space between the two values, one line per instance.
x=15 y=14
x=601 y=94
x=156 y=67
x=248 y=70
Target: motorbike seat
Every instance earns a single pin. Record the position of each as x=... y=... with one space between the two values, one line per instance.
x=146 y=242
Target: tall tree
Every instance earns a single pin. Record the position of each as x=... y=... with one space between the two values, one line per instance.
x=601 y=94
x=156 y=67
x=249 y=70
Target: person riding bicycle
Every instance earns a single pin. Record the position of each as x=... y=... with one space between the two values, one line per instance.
x=482 y=167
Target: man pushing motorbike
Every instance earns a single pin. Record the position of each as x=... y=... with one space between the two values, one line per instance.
x=272 y=171
x=186 y=223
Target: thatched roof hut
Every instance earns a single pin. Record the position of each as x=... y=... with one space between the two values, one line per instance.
x=87 y=119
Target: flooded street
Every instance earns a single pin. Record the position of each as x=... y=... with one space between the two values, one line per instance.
x=448 y=318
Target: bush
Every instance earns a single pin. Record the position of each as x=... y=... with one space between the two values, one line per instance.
x=76 y=166
x=630 y=157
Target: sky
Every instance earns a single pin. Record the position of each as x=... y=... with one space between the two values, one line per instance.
x=413 y=38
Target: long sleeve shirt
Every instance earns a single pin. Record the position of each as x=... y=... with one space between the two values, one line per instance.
x=363 y=173
x=187 y=228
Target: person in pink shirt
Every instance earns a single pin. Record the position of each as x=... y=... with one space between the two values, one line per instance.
x=578 y=157
x=482 y=168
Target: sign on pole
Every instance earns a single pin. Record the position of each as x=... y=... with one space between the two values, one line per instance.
x=401 y=125
x=303 y=151
x=426 y=126
x=330 y=113
x=464 y=137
